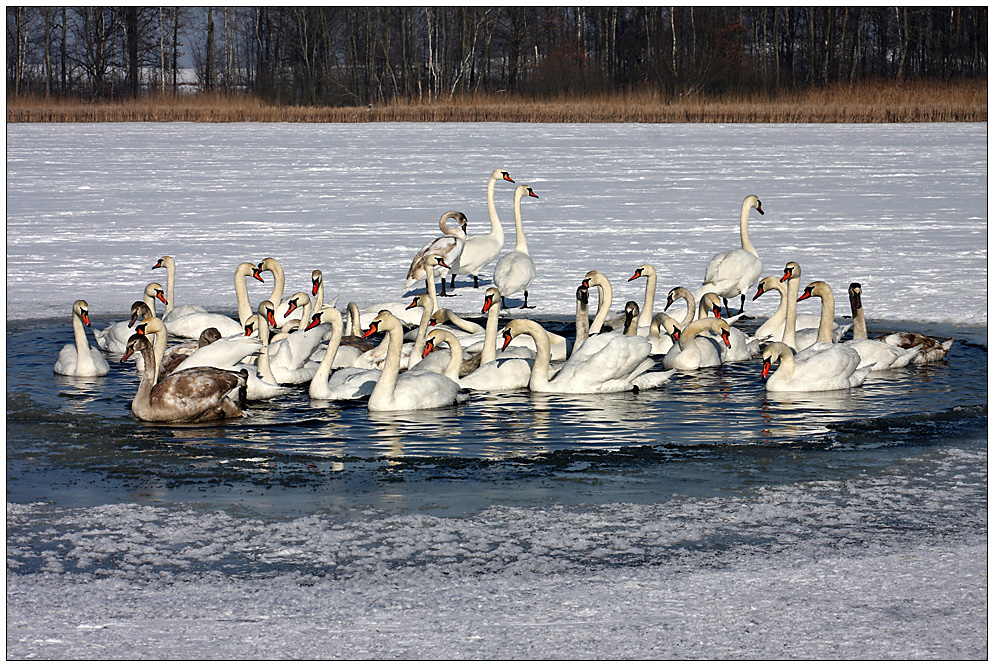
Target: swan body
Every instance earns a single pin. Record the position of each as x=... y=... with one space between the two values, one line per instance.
x=192 y=324
x=78 y=359
x=927 y=349
x=193 y=395
x=482 y=249
x=222 y=353
x=605 y=363
x=516 y=270
x=449 y=247
x=832 y=368
x=805 y=326
x=732 y=272
x=505 y=374
x=741 y=347
x=289 y=355
x=346 y=383
x=695 y=351
x=177 y=354
x=414 y=390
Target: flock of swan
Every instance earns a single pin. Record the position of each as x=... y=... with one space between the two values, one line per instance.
x=430 y=357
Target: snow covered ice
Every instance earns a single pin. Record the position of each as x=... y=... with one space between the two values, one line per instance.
x=886 y=564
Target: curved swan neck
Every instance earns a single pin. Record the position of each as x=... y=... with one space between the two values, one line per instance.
x=543 y=353
x=495 y=227
x=690 y=332
x=582 y=322
x=324 y=368
x=645 y=317
x=353 y=310
x=142 y=402
x=744 y=227
x=242 y=273
x=169 y=264
x=790 y=324
x=84 y=362
x=455 y=353
x=604 y=296
x=786 y=357
x=490 y=336
x=688 y=296
x=827 y=321
x=279 y=279
x=520 y=245
x=387 y=382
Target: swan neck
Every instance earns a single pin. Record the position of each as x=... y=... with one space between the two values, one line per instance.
x=604 y=296
x=324 y=368
x=241 y=295
x=688 y=296
x=543 y=356
x=582 y=324
x=170 y=287
x=387 y=383
x=520 y=245
x=790 y=323
x=744 y=229
x=645 y=317
x=419 y=340
x=142 y=401
x=827 y=321
x=787 y=364
x=495 y=226
x=455 y=358
x=279 y=283
x=82 y=344
x=490 y=337
x=858 y=321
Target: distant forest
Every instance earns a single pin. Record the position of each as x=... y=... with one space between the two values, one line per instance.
x=346 y=56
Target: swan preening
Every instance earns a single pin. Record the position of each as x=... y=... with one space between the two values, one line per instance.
x=283 y=343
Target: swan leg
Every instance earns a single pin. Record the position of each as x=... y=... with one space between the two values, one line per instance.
x=452 y=283
x=526 y=301
x=476 y=282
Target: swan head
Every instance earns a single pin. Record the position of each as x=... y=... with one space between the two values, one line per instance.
x=766 y=284
x=139 y=311
x=316 y=278
x=856 y=295
x=151 y=325
x=752 y=201
x=772 y=353
x=325 y=315
x=645 y=270
x=136 y=343
x=668 y=324
x=165 y=262
x=268 y=311
x=678 y=293
x=422 y=300
x=208 y=336
x=295 y=302
x=712 y=303
x=522 y=190
x=818 y=288
x=491 y=297
x=431 y=261
x=270 y=264
x=155 y=291
x=721 y=327
x=594 y=277
x=384 y=321
x=81 y=309
x=792 y=270
x=583 y=295
x=458 y=216
x=501 y=174
x=434 y=338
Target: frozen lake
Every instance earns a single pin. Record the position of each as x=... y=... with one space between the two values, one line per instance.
x=703 y=520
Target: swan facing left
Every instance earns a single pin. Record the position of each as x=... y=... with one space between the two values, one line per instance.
x=199 y=394
x=79 y=359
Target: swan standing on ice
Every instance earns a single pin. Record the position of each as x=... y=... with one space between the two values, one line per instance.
x=929 y=349
x=516 y=270
x=482 y=249
x=732 y=272
x=414 y=390
x=79 y=359
x=194 y=395
x=448 y=248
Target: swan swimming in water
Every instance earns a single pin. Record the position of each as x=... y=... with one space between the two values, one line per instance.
x=829 y=369
x=78 y=359
x=929 y=349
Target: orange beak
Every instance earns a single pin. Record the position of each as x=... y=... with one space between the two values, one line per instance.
x=316 y=320
x=766 y=368
x=372 y=330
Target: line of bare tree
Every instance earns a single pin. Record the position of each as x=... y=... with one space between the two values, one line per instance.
x=370 y=55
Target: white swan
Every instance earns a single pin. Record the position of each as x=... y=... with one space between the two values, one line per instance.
x=410 y=352
x=876 y=354
x=773 y=328
x=449 y=247
x=115 y=337
x=504 y=374
x=741 y=347
x=833 y=368
x=346 y=383
x=177 y=354
x=402 y=309
x=414 y=390
x=290 y=354
x=78 y=359
x=929 y=349
x=193 y=395
x=192 y=324
x=661 y=344
x=516 y=270
x=690 y=311
x=606 y=363
x=801 y=339
x=482 y=249
x=224 y=353
x=693 y=351
x=732 y=272
x=317 y=291
x=172 y=310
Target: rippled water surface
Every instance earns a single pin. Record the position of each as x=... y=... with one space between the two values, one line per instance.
x=711 y=431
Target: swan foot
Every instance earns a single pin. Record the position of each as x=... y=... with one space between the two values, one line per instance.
x=526 y=301
x=452 y=283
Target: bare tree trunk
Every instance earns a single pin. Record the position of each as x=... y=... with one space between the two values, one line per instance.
x=47 y=13
x=210 y=68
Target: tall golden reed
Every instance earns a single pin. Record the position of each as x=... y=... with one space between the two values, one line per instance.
x=883 y=102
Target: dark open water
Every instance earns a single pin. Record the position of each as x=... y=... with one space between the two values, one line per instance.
x=713 y=432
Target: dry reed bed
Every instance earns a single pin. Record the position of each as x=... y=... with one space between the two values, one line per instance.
x=865 y=103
